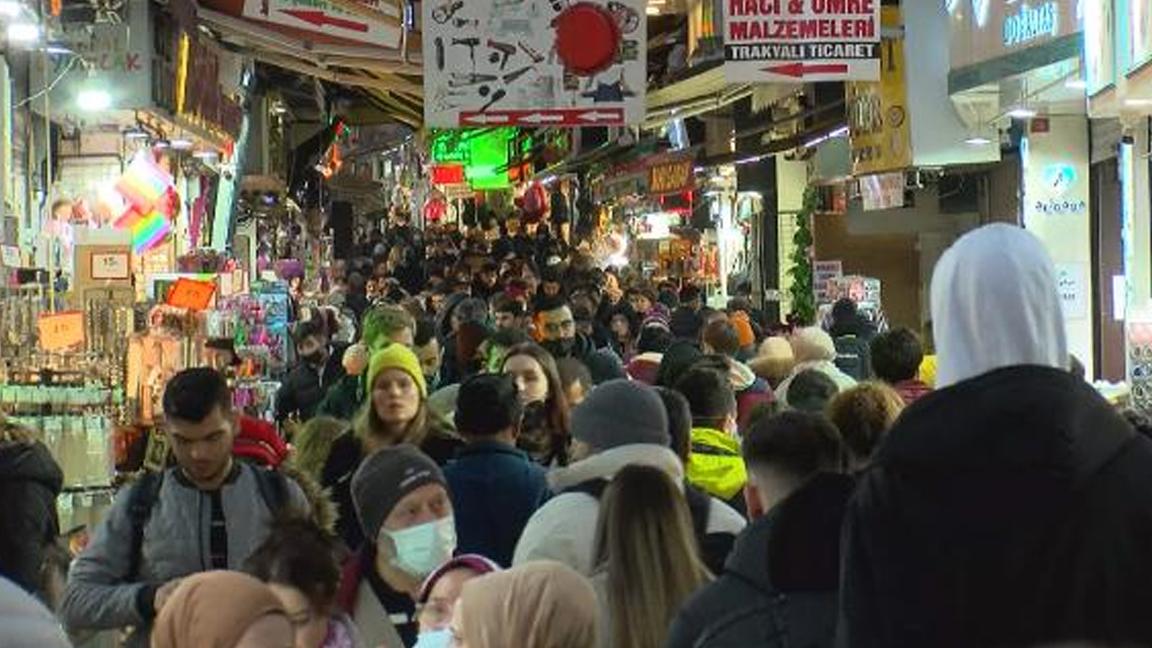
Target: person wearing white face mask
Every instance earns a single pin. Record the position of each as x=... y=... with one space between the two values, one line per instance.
x=402 y=501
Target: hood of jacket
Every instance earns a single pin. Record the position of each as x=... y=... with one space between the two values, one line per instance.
x=995 y=304
x=605 y=465
x=1023 y=438
x=30 y=462
x=740 y=375
x=796 y=546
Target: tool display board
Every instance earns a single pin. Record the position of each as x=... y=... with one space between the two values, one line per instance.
x=534 y=62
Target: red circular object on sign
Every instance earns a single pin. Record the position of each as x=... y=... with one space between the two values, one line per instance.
x=587 y=38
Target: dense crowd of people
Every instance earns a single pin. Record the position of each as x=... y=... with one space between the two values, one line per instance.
x=494 y=443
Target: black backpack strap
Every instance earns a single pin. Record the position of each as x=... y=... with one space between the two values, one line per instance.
x=699 y=505
x=592 y=487
x=141 y=500
x=273 y=487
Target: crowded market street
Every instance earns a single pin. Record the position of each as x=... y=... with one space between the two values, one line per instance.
x=575 y=323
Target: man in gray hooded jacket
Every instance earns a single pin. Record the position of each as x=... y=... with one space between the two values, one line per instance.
x=207 y=512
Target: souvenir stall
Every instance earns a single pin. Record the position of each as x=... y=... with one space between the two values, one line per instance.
x=61 y=375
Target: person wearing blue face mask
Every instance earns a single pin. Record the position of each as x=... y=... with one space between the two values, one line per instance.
x=438 y=596
x=401 y=500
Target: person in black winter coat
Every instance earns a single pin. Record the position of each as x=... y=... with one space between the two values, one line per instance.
x=30 y=480
x=321 y=367
x=779 y=586
x=1013 y=507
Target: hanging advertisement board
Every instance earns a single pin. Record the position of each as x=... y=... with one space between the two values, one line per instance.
x=329 y=18
x=534 y=62
x=780 y=41
x=878 y=128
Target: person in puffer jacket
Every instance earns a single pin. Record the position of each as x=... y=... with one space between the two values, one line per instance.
x=30 y=480
x=621 y=423
x=779 y=586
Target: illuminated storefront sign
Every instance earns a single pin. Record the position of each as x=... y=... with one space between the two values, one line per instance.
x=1031 y=23
x=984 y=30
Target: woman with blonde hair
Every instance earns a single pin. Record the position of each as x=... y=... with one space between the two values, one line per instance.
x=535 y=605
x=395 y=412
x=647 y=560
x=774 y=361
x=864 y=414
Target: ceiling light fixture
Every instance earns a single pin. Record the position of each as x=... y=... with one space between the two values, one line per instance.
x=1022 y=112
x=1076 y=84
x=180 y=144
x=652 y=11
x=977 y=140
x=1138 y=102
x=93 y=100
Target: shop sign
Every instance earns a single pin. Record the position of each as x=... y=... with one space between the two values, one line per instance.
x=448 y=174
x=671 y=177
x=561 y=64
x=60 y=331
x=199 y=95
x=774 y=41
x=191 y=294
x=878 y=122
x=324 y=17
x=1030 y=23
x=111 y=57
x=983 y=30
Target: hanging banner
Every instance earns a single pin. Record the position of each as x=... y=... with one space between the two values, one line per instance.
x=329 y=18
x=878 y=120
x=800 y=41
x=673 y=176
x=534 y=63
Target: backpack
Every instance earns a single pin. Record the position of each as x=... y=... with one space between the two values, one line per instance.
x=714 y=547
x=273 y=488
x=853 y=357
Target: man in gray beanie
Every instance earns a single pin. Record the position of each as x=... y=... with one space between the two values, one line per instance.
x=620 y=423
x=401 y=498
x=618 y=413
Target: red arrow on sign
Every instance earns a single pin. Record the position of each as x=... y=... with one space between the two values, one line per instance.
x=798 y=70
x=319 y=18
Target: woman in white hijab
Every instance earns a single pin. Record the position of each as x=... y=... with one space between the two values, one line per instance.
x=1013 y=506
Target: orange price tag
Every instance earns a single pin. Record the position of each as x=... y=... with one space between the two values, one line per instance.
x=191 y=294
x=60 y=331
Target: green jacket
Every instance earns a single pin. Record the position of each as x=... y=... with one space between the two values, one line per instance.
x=715 y=464
x=343 y=399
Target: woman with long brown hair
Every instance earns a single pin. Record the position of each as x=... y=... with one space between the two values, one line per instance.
x=394 y=412
x=647 y=560
x=545 y=431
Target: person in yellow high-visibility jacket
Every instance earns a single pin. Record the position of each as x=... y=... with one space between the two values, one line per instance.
x=715 y=464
